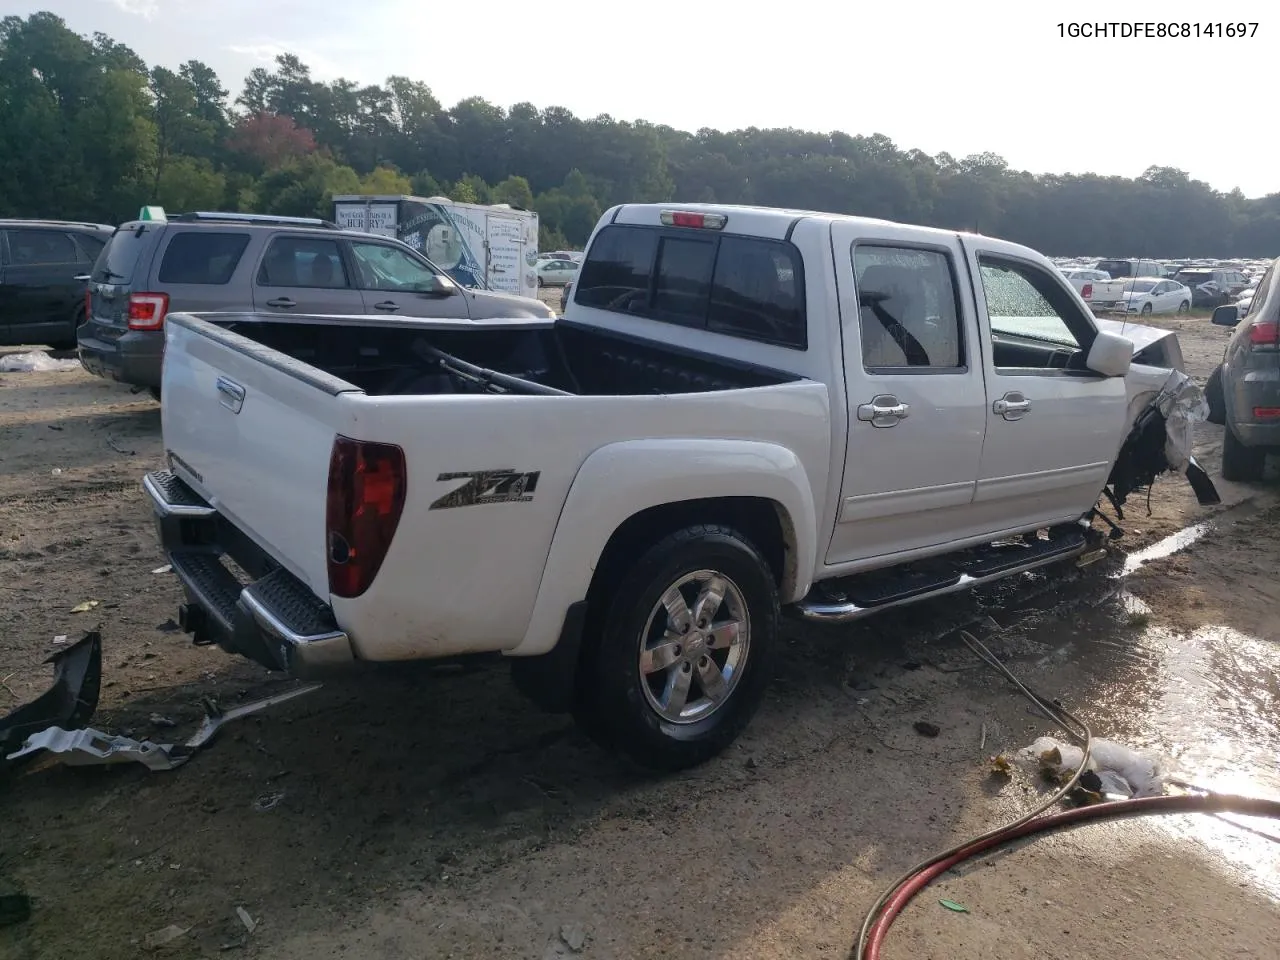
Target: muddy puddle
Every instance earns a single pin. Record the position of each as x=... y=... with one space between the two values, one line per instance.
x=1205 y=702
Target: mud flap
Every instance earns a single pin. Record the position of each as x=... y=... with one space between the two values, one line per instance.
x=70 y=702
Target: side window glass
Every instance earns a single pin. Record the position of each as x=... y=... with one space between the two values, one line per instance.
x=758 y=292
x=1024 y=303
x=1260 y=294
x=202 y=256
x=383 y=267
x=29 y=248
x=908 y=309
x=615 y=275
x=91 y=246
x=302 y=262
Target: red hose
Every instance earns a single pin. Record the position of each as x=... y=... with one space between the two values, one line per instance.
x=1141 y=806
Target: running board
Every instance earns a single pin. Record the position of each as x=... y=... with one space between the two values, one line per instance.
x=861 y=595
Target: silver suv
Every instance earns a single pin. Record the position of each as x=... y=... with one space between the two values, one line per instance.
x=206 y=262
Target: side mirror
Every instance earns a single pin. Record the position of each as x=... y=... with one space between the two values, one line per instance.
x=1226 y=316
x=441 y=287
x=1111 y=354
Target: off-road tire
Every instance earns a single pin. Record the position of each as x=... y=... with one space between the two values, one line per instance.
x=1213 y=396
x=611 y=704
x=1239 y=462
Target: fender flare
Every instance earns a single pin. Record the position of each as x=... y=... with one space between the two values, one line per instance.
x=619 y=480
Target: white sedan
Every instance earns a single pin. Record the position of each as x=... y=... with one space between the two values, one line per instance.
x=1148 y=295
x=556 y=273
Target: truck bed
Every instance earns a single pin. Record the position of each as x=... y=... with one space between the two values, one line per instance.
x=406 y=358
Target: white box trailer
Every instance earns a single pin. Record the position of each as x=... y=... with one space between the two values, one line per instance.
x=488 y=247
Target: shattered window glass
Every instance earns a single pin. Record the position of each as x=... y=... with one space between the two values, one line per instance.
x=1015 y=307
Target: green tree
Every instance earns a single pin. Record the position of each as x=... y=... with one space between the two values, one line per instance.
x=385 y=181
x=515 y=191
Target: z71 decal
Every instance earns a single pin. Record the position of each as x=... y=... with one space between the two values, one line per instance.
x=487 y=486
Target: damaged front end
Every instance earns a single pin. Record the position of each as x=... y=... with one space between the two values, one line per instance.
x=1160 y=441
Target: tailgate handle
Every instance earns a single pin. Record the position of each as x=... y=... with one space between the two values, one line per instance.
x=282 y=302
x=389 y=305
x=231 y=394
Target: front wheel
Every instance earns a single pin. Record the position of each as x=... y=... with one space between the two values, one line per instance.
x=1240 y=462
x=541 y=282
x=684 y=655
x=1146 y=309
x=1184 y=307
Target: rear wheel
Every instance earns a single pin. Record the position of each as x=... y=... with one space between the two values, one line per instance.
x=1240 y=462
x=1184 y=307
x=69 y=343
x=1213 y=396
x=1146 y=309
x=683 y=658
x=541 y=282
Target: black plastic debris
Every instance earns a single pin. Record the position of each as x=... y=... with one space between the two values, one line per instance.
x=69 y=703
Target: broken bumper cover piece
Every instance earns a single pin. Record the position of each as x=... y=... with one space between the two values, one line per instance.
x=70 y=702
x=275 y=620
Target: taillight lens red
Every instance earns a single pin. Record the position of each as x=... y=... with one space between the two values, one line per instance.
x=147 y=310
x=1087 y=291
x=367 y=483
x=88 y=304
x=1264 y=333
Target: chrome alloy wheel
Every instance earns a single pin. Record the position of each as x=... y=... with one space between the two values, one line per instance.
x=694 y=646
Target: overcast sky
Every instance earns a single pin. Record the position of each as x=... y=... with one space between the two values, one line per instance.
x=964 y=78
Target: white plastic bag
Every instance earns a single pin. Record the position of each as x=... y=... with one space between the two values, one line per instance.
x=1121 y=769
x=37 y=362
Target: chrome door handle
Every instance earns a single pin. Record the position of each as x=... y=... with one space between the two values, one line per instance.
x=282 y=302
x=231 y=394
x=883 y=411
x=388 y=305
x=1012 y=406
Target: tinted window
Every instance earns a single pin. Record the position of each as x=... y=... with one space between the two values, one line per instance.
x=1024 y=302
x=380 y=266
x=907 y=308
x=202 y=257
x=615 y=275
x=1260 y=293
x=117 y=261
x=91 y=245
x=758 y=292
x=683 y=282
x=33 y=247
x=302 y=262
x=1116 y=268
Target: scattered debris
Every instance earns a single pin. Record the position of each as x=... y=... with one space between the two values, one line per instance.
x=158 y=938
x=574 y=937
x=60 y=638
x=751 y=763
x=56 y=472
x=70 y=702
x=953 y=906
x=119 y=449
x=36 y=362
x=983 y=744
x=215 y=716
x=89 y=747
x=1000 y=765
x=161 y=721
x=165 y=569
x=250 y=924
x=1119 y=770
x=85 y=607
x=268 y=801
x=15 y=908
x=927 y=729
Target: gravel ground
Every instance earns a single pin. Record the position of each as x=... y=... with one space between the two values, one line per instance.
x=431 y=813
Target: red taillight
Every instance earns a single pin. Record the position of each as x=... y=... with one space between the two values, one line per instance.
x=702 y=221
x=147 y=310
x=88 y=304
x=1087 y=291
x=367 y=483
x=1266 y=413
x=1264 y=334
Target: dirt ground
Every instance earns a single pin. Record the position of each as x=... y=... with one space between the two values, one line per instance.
x=420 y=813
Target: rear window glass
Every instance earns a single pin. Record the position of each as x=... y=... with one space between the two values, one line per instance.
x=1194 y=276
x=741 y=286
x=1116 y=268
x=616 y=274
x=202 y=257
x=116 y=262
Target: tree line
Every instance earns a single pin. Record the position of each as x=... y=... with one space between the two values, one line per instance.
x=89 y=131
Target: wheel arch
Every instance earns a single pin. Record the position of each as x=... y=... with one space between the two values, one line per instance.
x=631 y=494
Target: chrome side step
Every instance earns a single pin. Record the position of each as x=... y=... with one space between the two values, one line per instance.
x=818 y=610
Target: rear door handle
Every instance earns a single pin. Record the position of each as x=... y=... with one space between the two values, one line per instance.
x=883 y=411
x=389 y=305
x=230 y=394
x=282 y=302
x=82 y=277
x=1012 y=406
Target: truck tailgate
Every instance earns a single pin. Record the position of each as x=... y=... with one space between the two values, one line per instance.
x=251 y=430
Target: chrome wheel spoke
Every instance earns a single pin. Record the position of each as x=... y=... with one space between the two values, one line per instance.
x=708 y=602
x=712 y=680
x=661 y=656
x=677 y=694
x=678 y=614
x=724 y=635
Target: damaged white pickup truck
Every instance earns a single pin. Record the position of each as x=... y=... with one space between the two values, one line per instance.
x=744 y=412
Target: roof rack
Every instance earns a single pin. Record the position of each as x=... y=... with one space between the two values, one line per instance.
x=214 y=217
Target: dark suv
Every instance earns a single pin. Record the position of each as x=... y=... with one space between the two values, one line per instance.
x=42 y=268
x=213 y=262
x=1212 y=286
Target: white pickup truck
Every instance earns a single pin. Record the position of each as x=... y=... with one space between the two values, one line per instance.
x=743 y=412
